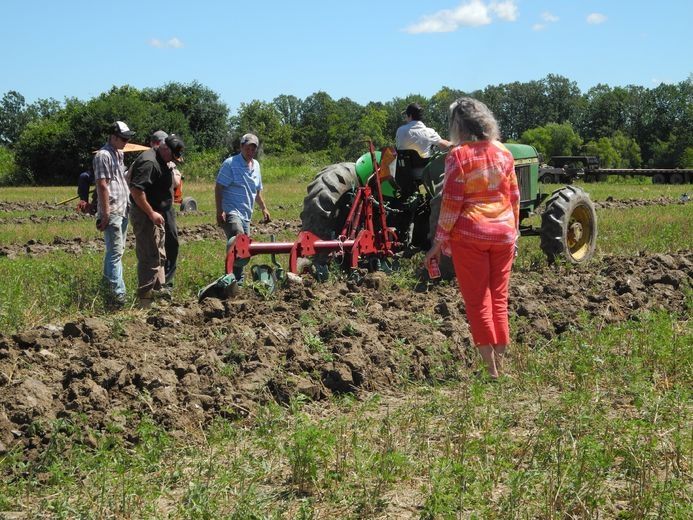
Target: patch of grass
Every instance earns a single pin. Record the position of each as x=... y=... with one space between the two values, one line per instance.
x=316 y=345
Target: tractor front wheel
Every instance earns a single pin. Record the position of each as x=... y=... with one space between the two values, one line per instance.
x=569 y=226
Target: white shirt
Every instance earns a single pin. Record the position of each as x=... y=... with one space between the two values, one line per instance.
x=414 y=135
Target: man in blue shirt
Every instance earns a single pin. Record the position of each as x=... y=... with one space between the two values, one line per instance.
x=238 y=187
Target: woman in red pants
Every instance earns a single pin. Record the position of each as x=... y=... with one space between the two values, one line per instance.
x=478 y=224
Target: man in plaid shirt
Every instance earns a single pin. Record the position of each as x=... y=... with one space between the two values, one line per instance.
x=112 y=207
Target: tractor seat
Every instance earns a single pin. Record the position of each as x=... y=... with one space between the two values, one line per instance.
x=410 y=167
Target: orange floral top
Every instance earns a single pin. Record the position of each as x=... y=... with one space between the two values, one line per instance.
x=481 y=198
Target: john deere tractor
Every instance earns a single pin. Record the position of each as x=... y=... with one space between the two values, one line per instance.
x=411 y=200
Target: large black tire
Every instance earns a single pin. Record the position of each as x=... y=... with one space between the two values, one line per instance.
x=325 y=205
x=447 y=270
x=547 y=178
x=569 y=226
x=659 y=178
x=676 y=178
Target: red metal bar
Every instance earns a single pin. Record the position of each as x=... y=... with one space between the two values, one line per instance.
x=351 y=221
x=379 y=191
x=355 y=224
x=306 y=244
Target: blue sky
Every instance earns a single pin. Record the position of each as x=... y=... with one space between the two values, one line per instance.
x=365 y=50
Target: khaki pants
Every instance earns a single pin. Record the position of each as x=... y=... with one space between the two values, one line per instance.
x=151 y=254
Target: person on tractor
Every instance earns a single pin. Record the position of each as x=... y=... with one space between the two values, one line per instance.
x=171 y=243
x=415 y=135
x=478 y=224
x=238 y=188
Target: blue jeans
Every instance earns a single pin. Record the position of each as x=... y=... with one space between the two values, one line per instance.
x=114 y=237
x=233 y=226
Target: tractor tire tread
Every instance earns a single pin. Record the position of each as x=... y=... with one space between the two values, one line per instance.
x=555 y=221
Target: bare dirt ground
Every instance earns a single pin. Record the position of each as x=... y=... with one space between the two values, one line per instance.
x=186 y=363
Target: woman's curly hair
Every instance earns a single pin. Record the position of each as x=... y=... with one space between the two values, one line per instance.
x=471 y=120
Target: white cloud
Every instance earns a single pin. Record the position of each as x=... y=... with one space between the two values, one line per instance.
x=472 y=13
x=546 y=18
x=596 y=18
x=172 y=43
x=505 y=10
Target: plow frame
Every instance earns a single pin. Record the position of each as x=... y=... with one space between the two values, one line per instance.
x=364 y=233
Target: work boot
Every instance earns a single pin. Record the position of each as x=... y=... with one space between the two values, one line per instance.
x=115 y=302
x=144 y=303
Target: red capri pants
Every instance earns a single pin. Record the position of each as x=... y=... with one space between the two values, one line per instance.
x=483 y=274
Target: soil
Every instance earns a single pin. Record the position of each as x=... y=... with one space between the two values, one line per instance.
x=187 y=363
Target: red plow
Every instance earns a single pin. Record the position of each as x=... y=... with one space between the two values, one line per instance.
x=365 y=232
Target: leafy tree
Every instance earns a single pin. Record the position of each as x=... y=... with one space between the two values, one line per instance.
x=206 y=116
x=439 y=107
x=604 y=148
x=553 y=139
x=540 y=138
x=605 y=111
x=628 y=150
x=687 y=158
x=15 y=114
x=663 y=153
x=517 y=106
x=45 y=151
x=563 y=99
x=13 y=117
x=57 y=148
x=371 y=125
x=289 y=108
x=314 y=126
x=264 y=120
x=43 y=108
x=345 y=136
x=8 y=167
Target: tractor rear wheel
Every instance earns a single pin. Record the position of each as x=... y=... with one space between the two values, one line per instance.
x=447 y=270
x=325 y=207
x=569 y=226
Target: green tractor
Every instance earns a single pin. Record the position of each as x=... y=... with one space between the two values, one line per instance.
x=412 y=203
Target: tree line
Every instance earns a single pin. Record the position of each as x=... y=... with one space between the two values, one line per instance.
x=50 y=141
